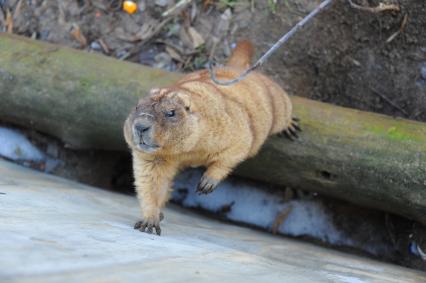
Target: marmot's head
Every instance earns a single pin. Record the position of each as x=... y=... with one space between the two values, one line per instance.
x=163 y=121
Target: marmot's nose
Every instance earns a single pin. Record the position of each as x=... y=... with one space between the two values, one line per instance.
x=141 y=128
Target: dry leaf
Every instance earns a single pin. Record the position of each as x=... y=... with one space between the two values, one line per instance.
x=9 y=21
x=196 y=38
x=174 y=54
x=185 y=38
x=78 y=35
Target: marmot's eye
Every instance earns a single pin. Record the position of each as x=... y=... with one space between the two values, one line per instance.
x=170 y=113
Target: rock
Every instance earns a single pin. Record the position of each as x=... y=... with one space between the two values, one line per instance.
x=95 y=46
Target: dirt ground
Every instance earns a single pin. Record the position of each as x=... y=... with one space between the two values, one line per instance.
x=346 y=56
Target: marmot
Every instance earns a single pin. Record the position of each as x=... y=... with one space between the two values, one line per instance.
x=196 y=122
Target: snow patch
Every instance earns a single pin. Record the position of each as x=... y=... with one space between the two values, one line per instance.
x=243 y=202
x=15 y=146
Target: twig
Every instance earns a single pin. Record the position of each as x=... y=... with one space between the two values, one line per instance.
x=401 y=29
x=390 y=228
x=380 y=8
x=104 y=46
x=389 y=101
x=278 y=44
x=115 y=5
x=177 y=48
x=9 y=21
x=157 y=30
x=17 y=11
x=417 y=115
x=176 y=7
x=280 y=219
x=421 y=252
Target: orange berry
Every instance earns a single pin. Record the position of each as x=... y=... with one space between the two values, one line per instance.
x=130 y=7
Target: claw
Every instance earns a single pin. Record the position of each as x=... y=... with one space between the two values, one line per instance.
x=149 y=225
x=206 y=185
x=158 y=230
x=293 y=132
x=288 y=135
x=292 y=129
x=143 y=227
x=295 y=124
x=297 y=127
x=149 y=228
x=138 y=225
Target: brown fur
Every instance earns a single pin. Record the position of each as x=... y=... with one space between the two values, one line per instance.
x=213 y=126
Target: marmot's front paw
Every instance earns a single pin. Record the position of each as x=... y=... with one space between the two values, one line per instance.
x=206 y=185
x=147 y=225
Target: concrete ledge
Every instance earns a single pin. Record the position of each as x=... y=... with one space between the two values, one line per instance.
x=54 y=230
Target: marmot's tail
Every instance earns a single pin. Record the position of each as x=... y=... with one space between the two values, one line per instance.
x=242 y=55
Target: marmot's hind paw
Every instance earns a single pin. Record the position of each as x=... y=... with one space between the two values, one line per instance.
x=291 y=131
x=149 y=225
x=206 y=185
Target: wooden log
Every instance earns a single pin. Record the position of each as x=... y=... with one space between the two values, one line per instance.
x=79 y=97
x=361 y=157
x=83 y=99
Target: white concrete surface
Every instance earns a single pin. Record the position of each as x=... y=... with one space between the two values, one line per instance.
x=54 y=230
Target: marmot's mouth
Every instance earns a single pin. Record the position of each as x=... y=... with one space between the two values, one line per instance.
x=146 y=147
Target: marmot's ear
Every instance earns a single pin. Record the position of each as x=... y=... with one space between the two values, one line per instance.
x=184 y=99
x=154 y=91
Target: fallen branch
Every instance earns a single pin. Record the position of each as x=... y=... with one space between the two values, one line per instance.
x=401 y=29
x=378 y=9
x=390 y=102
